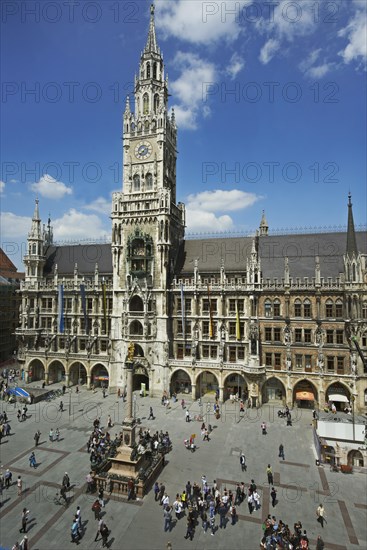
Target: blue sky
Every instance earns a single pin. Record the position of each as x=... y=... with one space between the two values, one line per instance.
x=269 y=100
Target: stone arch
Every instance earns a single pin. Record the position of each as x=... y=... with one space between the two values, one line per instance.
x=305 y=390
x=235 y=383
x=56 y=372
x=274 y=390
x=77 y=374
x=206 y=382
x=99 y=375
x=136 y=328
x=180 y=381
x=339 y=389
x=140 y=376
x=355 y=458
x=36 y=370
x=136 y=304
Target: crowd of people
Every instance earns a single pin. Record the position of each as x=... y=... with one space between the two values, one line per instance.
x=278 y=535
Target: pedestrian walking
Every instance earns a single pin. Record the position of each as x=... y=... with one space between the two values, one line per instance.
x=190 y=527
x=222 y=510
x=212 y=525
x=101 y=523
x=24 y=543
x=100 y=496
x=151 y=415
x=320 y=512
x=256 y=497
x=204 y=519
x=320 y=545
x=19 y=415
x=104 y=534
x=89 y=480
x=8 y=476
x=250 y=503
x=156 y=491
x=233 y=512
x=96 y=508
x=263 y=428
x=109 y=422
x=19 y=485
x=75 y=535
x=61 y=406
x=57 y=434
x=24 y=520
x=269 y=473
x=187 y=416
x=273 y=495
x=66 y=481
x=32 y=461
x=51 y=435
x=78 y=516
x=37 y=436
x=167 y=515
x=281 y=451
x=243 y=462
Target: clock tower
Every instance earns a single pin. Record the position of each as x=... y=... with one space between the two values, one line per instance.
x=147 y=224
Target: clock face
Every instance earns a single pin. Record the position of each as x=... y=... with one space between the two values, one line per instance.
x=143 y=150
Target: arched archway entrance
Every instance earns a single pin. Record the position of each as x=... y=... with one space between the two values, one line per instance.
x=355 y=458
x=180 y=382
x=140 y=379
x=100 y=377
x=235 y=384
x=273 y=391
x=305 y=395
x=77 y=374
x=339 y=395
x=36 y=371
x=56 y=372
x=206 y=383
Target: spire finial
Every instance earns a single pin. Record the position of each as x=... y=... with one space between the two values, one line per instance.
x=352 y=249
x=151 y=45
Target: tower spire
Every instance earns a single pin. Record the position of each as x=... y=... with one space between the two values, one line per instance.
x=151 y=45
x=351 y=235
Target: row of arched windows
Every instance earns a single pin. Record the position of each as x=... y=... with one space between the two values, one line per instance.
x=145 y=185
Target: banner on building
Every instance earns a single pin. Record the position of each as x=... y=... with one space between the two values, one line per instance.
x=60 y=311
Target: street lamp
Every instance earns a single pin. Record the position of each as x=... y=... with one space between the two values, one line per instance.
x=352 y=399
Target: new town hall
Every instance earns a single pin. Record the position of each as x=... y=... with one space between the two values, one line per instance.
x=273 y=318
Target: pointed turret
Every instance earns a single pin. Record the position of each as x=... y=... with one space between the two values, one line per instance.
x=351 y=250
x=264 y=228
x=151 y=46
x=127 y=105
x=34 y=260
x=36 y=232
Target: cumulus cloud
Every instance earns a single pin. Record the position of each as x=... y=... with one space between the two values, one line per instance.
x=77 y=225
x=356 y=32
x=14 y=226
x=203 y=222
x=308 y=67
x=200 y=22
x=221 y=200
x=236 y=64
x=101 y=205
x=189 y=88
x=50 y=188
x=2 y=186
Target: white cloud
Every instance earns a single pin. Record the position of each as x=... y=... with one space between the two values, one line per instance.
x=202 y=221
x=356 y=31
x=190 y=87
x=50 y=188
x=2 y=186
x=13 y=226
x=268 y=50
x=236 y=64
x=200 y=22
x=101 y=205
x=320 y=70
x=221 y=201
x=76 y=225
x=310 y=60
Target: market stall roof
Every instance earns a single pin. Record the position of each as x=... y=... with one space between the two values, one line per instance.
x=19 y=391
x=338 y=397
x=305 y=396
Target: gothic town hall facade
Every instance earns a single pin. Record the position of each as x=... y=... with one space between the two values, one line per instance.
x=271 y=318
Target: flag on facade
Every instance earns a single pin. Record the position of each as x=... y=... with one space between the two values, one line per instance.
x=84 y=308
x=183 y=321
x=238 y=326
x=104 y=299
x=211 y=327
x=60 y=311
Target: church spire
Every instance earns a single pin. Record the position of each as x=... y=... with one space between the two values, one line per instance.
x=351 y=235
x=264 y=228
x=36 y=223
x=151 y=45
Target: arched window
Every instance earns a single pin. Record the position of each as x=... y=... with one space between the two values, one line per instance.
x=276 y=308
x=329 y=308
x=136 y=183
x=307 y=310
x=268 y=308
x=146 y=125
x=149 y=182
x=148 y=70
x=34 y=248
x=364 y=310
x=339 y=309
x=354 y=273
x=297 y=308
x=145 y=104
x=156 y=103
x=136 y=328
x=136 y=304
x=155 y=71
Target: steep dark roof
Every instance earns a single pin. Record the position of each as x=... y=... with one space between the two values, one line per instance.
x=351 y=249
x=300 y=250
x=85 y=256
